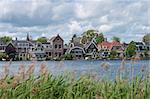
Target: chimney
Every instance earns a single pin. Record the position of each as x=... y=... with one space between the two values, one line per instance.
x=16 y=39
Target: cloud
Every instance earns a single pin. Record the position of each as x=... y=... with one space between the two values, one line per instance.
x=74 y=26
x=126 y=19
x=105 y=28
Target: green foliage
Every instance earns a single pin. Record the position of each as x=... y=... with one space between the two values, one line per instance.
x=131 y=49
x=117 y=39
x=68 y=56
x=90 y=34
x=2 y=55
x=100 y=38
x=146 y=38
x=6 y=39
x=65 y=86
x=42 y=39
x=113 y=54
x=146 y=54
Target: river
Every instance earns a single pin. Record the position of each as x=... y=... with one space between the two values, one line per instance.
x=79 y=67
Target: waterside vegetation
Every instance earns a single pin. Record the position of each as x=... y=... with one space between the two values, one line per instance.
x=25 y=85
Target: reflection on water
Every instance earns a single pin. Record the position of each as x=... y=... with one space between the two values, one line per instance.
x=99 y=68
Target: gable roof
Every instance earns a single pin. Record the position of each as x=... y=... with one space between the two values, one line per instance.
x=54 y=37
x=89 y=43
x=105 y=43
x=10 y=44
x=76 y=42
x=115 y=43
x=109 y=45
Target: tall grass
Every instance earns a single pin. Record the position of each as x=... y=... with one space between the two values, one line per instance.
x=25 y=85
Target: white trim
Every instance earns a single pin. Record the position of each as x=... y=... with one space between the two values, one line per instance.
x=76 y=47
x=90 y=44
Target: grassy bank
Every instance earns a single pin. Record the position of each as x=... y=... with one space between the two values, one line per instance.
x=25 y=85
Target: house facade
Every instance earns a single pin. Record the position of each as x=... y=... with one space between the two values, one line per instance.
x=142 y=48
x=48 y=48
x=118 y=47
x=2 y=46
x=106 y=47
x=54 y=48
x=10 y=50
x=57 y=45
x=91 y=49
x=76 y=48
x=37 y=51
x=22 y=49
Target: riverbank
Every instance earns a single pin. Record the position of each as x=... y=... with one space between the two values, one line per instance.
x=25 y=85
x=146 y=58
x=126 y=83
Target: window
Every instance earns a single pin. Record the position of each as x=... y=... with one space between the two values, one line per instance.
x=49 y=53
x=55 y=46
x=59 y=46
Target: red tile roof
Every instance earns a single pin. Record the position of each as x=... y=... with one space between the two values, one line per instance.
x=109 y=44
x=114 y=43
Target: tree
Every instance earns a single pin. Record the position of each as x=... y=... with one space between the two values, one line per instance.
x=68 y=56
x=6 y=39
x=42 y=39
x=3 y=55
x=90 y=34
x=100 y=38
x=146 y=38
x=113 y=54
x=131 y=49
x=117 y=39
x=87 y=36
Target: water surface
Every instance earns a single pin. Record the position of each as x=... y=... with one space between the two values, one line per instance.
x=79 y=67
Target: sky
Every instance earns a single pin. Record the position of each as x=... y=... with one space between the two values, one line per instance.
x=127 y=19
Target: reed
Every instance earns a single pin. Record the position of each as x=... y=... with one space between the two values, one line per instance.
x=25 y=85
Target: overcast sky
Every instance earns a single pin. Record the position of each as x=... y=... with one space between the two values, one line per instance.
x=127 y=19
